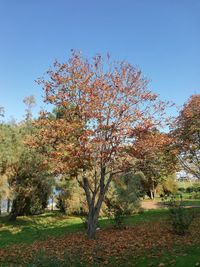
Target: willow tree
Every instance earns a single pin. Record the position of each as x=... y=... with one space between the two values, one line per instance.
x=101 y=102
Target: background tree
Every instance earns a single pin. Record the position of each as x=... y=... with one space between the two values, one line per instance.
x=1 y=111
x=31 y=185
x=30 y=103
x=103 y=102
x=31 y=181
x=186 y=130
x=123 y=197
x=68 y=196
x=10 y=150
x=168 y=186
x=155 y=157
x=21 y=168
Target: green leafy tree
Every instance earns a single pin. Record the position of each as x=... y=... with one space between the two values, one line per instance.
x=168 y=186
x=31 y=185
x=10 y=150
x=123 y=197
x=24 y=176
x=64 y=188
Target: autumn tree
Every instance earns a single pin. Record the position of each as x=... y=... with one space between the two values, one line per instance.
x=155 y=157
x=102 y=102
x=186 y=130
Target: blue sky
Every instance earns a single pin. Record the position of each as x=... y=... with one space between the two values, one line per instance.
x=162 y=37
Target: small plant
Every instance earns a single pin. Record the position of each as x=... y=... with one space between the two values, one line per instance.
x=116 y=214
x=180 y=217
x=118 y=218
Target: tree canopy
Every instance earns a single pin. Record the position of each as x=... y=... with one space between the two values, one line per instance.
x=102 y=102
x=187 y=133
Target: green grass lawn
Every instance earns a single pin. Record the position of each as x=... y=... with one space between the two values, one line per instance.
x=29 y=229
x=185 y=257
x=191 y=202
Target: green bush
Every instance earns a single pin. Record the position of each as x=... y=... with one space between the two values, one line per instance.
x=36 y=207
x=195 y=195
x=190 y=189
x=118 y=218
x=193 y=188
x=180 y=217
x=182 y=190
x=115 y=213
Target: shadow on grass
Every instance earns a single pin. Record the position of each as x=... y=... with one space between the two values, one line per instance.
x=29 y=229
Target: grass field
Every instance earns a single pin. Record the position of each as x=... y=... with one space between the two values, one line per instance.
x=146 y=241
x=29 y=229
x=189 y=256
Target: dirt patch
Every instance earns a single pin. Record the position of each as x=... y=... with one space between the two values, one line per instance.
x=150 y=205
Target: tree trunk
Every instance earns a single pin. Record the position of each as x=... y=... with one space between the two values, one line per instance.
x=152 y=191
x=94 y=202
x=92 y=224
x=8 y=205
x=13 y=213
x=52 y=202
x=155 y=192
x=151 y=194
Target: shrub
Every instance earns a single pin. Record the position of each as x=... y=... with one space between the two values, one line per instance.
x=182 y=189
x=193 y=188
x=118 y=218
x=116 y=214
x=36 y=207
x=190 y=189
x=195 y=195
x=180 y=217
x=124 y=194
